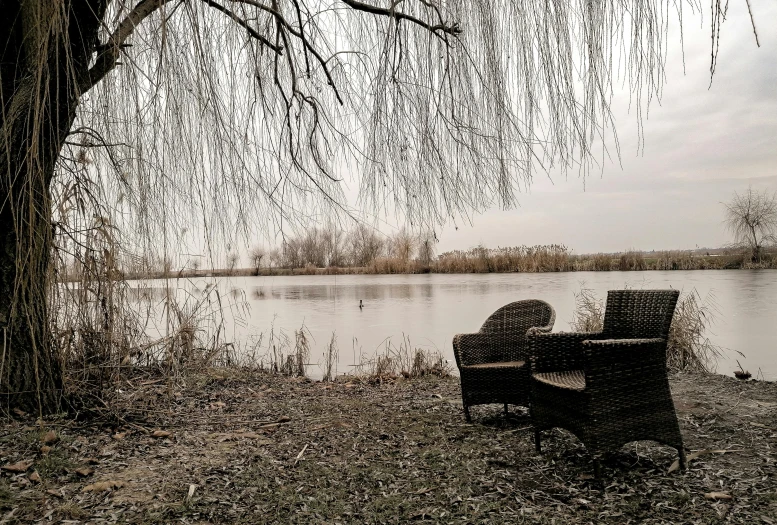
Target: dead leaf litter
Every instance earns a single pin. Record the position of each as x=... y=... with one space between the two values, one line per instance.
x=386 y=452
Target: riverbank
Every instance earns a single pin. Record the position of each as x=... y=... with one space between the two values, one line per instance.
x=537 y=259
x=226 y=447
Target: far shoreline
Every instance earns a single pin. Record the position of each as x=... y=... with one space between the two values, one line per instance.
x=461 y=263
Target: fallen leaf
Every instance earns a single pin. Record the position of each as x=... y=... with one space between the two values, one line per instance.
x=240 y=435
x=19 y=412
x=56 y=493
x=84 y=471
x=118 y=436
x=694 y=455
x=339 y=424
x=45 y=449
x=161 y=434
x=19 y=466
x=50 y=438
x=192 y=488
x=301 y=452
x=34 y=477
x=718 y=495
x=217 y=405
x=102 y=486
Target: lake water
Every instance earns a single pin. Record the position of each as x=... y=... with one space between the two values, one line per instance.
x=430 y=309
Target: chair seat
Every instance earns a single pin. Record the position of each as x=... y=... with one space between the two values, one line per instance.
x=569 y=379
x=498 y=364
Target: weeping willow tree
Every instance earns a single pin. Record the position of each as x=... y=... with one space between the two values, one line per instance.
x=217 y=113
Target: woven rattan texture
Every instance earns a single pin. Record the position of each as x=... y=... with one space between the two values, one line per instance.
x=624 y=395
x=493 y=363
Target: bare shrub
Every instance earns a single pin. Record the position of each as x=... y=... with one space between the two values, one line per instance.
x=589 y=312
x=688 y=347
x=752 y=218
x=256 y=256
x=403 y=360
x=365 y=245
x=232 y=260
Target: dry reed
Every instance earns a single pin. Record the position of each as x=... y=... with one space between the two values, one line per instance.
x=403 y=360
x=688 y=348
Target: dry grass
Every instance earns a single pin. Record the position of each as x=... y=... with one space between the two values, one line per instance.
x=268 y=449
x=330 y=359
x=549 y=258
x=589 y=312
x=402 y=361
x=688 y=348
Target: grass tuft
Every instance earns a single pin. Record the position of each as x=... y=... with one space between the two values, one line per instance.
x=688 y=348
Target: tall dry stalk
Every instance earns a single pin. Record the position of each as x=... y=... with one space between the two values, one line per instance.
x=688 y=347
x=589 y=312
x=330 y=359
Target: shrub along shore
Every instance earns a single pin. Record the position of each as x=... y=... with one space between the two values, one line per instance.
x=548 y=258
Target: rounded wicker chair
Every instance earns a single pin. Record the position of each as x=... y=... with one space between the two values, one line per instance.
x=493 y=363
x=611 y=387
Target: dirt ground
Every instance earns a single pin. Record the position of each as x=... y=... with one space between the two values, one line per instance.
x=236 y=448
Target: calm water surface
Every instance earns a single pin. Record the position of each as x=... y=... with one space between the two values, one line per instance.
x=429 y=309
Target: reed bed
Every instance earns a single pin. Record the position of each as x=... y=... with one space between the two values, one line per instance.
x=550 y=258
x=403 y=360
x=688 y=349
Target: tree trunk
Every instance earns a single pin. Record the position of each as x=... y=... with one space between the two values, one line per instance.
x=45 y=47
x=31 y=374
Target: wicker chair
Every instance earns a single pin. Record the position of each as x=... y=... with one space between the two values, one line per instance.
x=610 y=387
x=493 y=363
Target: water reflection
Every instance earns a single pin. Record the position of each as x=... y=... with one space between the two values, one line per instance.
x=430 y=309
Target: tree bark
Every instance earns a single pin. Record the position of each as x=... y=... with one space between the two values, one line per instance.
x=45 y=47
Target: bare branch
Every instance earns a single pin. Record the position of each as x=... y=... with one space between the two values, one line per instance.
x=450 y=28
x=109 y=52
x=242 y=23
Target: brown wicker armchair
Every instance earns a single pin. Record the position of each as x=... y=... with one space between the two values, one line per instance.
x=611 y=387
x=493 y=363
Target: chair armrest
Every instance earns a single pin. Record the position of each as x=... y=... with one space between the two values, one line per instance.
x=540 y=329
x=557 y=352
x=623 y=363
x=478 y=348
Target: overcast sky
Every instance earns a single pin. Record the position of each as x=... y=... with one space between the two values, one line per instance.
x=702 y=144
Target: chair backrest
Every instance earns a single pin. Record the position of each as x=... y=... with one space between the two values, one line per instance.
x=520 y=316
x=638 y=314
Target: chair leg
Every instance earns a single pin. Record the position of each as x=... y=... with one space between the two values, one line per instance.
x=537 y=444
x=683 y=460
x=466 y=413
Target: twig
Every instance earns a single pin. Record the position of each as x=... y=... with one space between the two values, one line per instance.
x=299 y=456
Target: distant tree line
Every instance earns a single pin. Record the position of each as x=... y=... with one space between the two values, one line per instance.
x=361 y=246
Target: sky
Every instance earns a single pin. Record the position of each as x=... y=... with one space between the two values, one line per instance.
x=702 y=143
